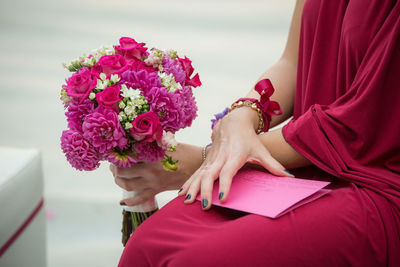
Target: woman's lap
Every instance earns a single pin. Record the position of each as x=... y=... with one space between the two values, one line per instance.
x=340 y=229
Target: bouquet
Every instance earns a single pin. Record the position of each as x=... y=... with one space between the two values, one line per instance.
x=123 y=105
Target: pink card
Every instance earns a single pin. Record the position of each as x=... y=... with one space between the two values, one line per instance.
x=262 y=193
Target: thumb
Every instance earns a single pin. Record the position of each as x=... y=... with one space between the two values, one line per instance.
x=265 y=159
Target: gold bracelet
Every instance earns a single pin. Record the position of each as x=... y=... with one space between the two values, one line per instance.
x=253 y=106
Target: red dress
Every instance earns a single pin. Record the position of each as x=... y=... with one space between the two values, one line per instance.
x=346 y=122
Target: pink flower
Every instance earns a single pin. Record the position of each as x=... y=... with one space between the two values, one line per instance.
x=81 y=83
x=148 y=151
x=187 y=66
x=109 y=97
x=120 y=159
x=111 y=64
x=103 y=130
x=130 y=49
x=141 y=79
x=167 y=106
x=79 y=153
x=77 y=112
x=173 y=66
x=146 y=127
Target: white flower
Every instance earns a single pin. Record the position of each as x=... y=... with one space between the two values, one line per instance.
x=167 y=141
x=103 y=76
x=168 y=80
x=115 y=78
x=128 y=125
x=92 y=96
x=130 y=110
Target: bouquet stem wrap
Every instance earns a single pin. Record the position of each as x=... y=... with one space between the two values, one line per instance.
x=133 y=216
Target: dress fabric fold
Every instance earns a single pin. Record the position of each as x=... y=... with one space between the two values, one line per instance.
x=346 y=121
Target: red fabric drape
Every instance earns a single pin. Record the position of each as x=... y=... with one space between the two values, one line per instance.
x=346 y=122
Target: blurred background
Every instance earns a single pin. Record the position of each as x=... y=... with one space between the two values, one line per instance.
x=230 y=42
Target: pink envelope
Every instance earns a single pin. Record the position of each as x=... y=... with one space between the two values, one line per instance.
x=262 y=193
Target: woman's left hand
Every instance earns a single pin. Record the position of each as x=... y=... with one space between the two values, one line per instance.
x=234 y=144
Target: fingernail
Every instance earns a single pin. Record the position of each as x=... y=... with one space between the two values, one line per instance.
x=221 y=195
x=180 y=190
x=188 y=197
x=288 y=172
x=204 y=203
x=122 y=203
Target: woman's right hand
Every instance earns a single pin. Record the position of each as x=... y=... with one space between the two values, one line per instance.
x=150 y=178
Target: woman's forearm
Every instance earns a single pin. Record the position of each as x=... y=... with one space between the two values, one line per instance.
x=283 y=77
x=282 y=151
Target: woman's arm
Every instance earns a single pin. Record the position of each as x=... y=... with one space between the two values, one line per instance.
x=234 y=139
x=283 y=73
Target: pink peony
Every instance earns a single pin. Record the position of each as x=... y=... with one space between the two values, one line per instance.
x=166 y=105
x=174 y=67
x=77 y=112
x=146 y=127
x=81 y=83
x=187 y=66
x=79 y=153
x=109 y=97
x=120 y=159
x=103 y=130
x=141 y=79
x=130 y=49
x=188 y=108
x=148 y=151
x=111 y=64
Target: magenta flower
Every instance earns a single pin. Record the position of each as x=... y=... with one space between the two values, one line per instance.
x=81 y=83
x=79 y=153
x=174 y=67
x=166 y=105
x=77 y=112
x=130 y=49
x=120 y=159
x=188 y=108
x=141 y=79
x=111 y=64
x=148 y=151
x=109 y=97
x=187 y=66
x=103 y=130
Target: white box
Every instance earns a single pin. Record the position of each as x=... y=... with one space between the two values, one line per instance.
x=22 y=220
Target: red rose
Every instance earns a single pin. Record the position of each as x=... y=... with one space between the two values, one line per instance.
x=109 y=97
x=146 y=127
x=111 y=64
x=130 y=49
x=186 y=64
x=81 y=83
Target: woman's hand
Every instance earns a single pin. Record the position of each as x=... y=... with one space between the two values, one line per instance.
x=151 y=178
x=235 y=142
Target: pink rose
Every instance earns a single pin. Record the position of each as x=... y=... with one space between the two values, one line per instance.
x=111 y=64
x=130 y=49
x=186 y=64
x=109 y=97
x=81 y=83
x=146 y=127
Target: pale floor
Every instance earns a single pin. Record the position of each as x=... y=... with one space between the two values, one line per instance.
x=230 y=42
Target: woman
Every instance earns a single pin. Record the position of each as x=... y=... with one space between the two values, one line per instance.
x=339 y=77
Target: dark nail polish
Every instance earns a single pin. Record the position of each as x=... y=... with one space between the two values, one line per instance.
x=204 y=203
x=288 y=172
x=188 y=197
x=221 y=195
x=180 y=190
x=122 y=203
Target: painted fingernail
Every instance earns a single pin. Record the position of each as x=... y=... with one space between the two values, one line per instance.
x=288 y=172
x=180 y=190
x=188 y=197
x=204 y=203
x=122 y=203
x=221 y=195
